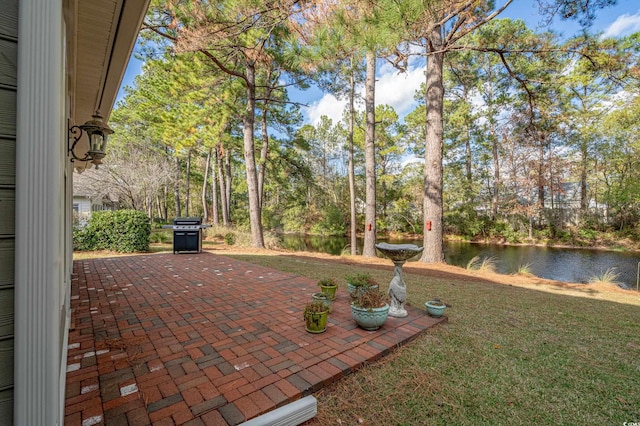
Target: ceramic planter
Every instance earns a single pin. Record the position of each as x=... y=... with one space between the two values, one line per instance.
x=329 y=291
x=370 y=318
x=316 y=322
x=322 y=297
x=435 y=309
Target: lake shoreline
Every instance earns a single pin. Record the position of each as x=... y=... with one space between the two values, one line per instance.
x=621 y=246
x=563 y=262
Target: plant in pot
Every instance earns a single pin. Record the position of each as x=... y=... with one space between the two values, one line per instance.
x=435 y=307
x=370 y=308
x=328 y=287
x=321 y=297
x=358 y=282
x=315 y=316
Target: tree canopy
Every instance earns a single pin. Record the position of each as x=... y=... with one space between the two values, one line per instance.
x=520 y=132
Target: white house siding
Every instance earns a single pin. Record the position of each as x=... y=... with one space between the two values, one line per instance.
x=8 y=90
x=41 y=253
x=82 y=208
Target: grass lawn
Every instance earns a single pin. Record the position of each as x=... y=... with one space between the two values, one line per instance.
x=527 y=353
x=508 y=355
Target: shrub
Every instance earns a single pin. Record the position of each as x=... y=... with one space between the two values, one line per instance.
x=486 y=264
x=294 y=219
x=610 y=276
x=465 y=222
x=230 y=238
x=331 y=222
x=588 y=234
x=124 y=231
x=160 y=236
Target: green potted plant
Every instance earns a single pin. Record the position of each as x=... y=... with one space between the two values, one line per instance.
x=358 y=281
x=435 y=307
x=370 y=308
x=328 y=287
x=321 y=297
x=315 y=316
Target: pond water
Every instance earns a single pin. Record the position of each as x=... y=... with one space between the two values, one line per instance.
x=562 y=264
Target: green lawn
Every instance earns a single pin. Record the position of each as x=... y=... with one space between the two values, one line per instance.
x=508 y=355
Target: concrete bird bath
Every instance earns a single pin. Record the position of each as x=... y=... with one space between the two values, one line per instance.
x=398 y=253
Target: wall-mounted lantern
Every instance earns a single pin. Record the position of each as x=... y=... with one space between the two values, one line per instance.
x=97 y=132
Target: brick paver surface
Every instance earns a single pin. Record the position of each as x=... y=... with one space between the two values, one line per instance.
x=205 y=339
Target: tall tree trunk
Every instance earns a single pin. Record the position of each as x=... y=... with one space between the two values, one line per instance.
x=255 y=216
x=150 y=208
x=205 y=179
x=352 y=178
x=165 y=203
x=541 y=192
x=432 y=205
x=214 y=188
x=227 y=179
x=176 y=188
x=159 y=209
x=187 y=189
x=495 y=197
x=469 y=160
x=583 y=178
x=224 y=199
x=369 y=248
x=264 y=152
x=468 y=154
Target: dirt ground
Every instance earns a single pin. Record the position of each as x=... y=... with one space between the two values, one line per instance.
x=609 y=292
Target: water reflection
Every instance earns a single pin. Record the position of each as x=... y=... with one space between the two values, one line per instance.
x=571 y=265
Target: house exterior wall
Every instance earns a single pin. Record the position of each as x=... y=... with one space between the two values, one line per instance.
x=82 y=207
x=38 y=104
x=8 y=96
x=42 y=203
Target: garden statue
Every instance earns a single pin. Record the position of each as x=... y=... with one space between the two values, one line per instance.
x=398 y=253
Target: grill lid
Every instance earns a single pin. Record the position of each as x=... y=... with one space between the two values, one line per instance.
x=187 y=221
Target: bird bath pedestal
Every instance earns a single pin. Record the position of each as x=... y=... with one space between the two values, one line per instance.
x=398 y=253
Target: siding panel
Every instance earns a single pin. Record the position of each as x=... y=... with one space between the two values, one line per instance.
x=6 y=312
x=7 y=212
x=7 y=112
x=8 y=62
x=7 y=162
x=6 y=407
x=9 y=18
x=6 y=262
x=8 y=100
x=6 y=363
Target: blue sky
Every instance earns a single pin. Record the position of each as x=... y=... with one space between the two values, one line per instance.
x=398 y=90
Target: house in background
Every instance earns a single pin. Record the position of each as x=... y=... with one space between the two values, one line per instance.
x=84 y=205
x=60 y=61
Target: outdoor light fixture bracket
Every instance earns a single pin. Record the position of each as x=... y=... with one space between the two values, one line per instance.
x=97 y=133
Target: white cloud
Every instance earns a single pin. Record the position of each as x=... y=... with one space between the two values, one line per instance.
x=625 y=24
x=328 y=105
x=398 y=90
x=392 y=88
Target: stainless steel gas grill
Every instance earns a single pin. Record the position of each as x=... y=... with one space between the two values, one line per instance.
x=187 y=234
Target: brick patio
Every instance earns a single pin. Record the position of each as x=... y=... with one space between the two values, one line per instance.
x=202 y=339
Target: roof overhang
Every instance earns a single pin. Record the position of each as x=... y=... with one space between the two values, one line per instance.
x=101 y=35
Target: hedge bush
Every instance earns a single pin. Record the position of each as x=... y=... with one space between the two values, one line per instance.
x=124 y=231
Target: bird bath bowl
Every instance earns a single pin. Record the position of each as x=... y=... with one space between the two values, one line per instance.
x=398 y=253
